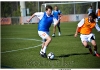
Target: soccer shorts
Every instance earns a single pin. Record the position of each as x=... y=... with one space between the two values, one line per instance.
x=87 y=38
x=43 y=35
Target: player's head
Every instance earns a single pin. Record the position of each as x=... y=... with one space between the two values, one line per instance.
x=56 y=7
x=92 y=16
x=48 y=9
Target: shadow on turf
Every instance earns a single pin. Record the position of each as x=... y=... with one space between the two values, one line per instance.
x=70 y=35
x=65 y=35
x=67 y=55
x=54 y=59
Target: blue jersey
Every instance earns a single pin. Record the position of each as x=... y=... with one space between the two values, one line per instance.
x=45 y=23
x=56 y=13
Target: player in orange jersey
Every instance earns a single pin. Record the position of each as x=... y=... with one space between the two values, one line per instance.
x=85 y=27
x=98 y=13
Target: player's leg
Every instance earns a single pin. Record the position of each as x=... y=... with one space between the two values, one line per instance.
x=43 y=43
x=84 y=40
x=95 y=47
x=86 y=45
x=54 y=30
x=46 y=40
x=59 y=29
x=46 y=43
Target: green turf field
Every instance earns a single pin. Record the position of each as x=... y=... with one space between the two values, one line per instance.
x=20 y=46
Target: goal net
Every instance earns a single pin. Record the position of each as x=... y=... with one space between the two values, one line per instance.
x=72 y=7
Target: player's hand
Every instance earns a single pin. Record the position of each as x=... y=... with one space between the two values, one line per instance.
x=60 y=18
x=28 y=20
x=75 y=35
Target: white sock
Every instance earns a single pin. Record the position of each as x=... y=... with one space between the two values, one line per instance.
x=95 y=52
x=44 y=49
x=41 y=49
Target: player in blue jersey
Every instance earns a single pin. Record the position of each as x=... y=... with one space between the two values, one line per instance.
x=45 y=20
x=57 y=14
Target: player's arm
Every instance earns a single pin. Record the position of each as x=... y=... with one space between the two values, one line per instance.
x=97 y=27
x=76 y=32
x=60 y=14
x=28 y=20
x=38 y=14
x=80 y=24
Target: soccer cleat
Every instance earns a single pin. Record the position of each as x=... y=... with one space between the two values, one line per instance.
x=53 y=35
x=97 y=55
x=43 y=54
x=59 y=34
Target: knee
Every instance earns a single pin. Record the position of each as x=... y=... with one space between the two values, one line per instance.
x=85 y=45
x=94 y=44
x=54 y=26
x=49 y=39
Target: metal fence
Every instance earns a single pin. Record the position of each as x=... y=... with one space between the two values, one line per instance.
x=15 y=20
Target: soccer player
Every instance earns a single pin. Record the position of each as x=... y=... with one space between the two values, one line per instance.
x=98 y=13
x=45 y=21
x=90 y=10
x=85 y=27
x=57 y=14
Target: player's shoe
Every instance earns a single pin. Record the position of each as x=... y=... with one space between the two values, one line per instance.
x=59 y=34
x=53 y=35
x=43 y=54
x=98 y=55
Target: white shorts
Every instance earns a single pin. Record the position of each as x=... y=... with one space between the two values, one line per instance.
x=43 y=35
x=87 y=38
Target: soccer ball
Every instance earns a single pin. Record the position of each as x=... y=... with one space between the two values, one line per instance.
x=50 y=56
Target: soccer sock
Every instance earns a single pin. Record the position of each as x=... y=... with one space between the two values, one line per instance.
x=44 y=49
x=95 y=52
x=41 y=49
x=88 y=46
x=95 y=49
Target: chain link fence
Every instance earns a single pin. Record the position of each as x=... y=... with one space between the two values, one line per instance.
x=15 y=20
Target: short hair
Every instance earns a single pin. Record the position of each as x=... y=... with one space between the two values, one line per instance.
x=56 y=6
x=93 y=15
x=48 y=7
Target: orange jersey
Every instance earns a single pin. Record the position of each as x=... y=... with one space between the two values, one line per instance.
x=87 y=27
x=98 y=13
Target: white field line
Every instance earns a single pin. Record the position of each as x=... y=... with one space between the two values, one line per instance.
x=23 y=48
x=23 y=39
